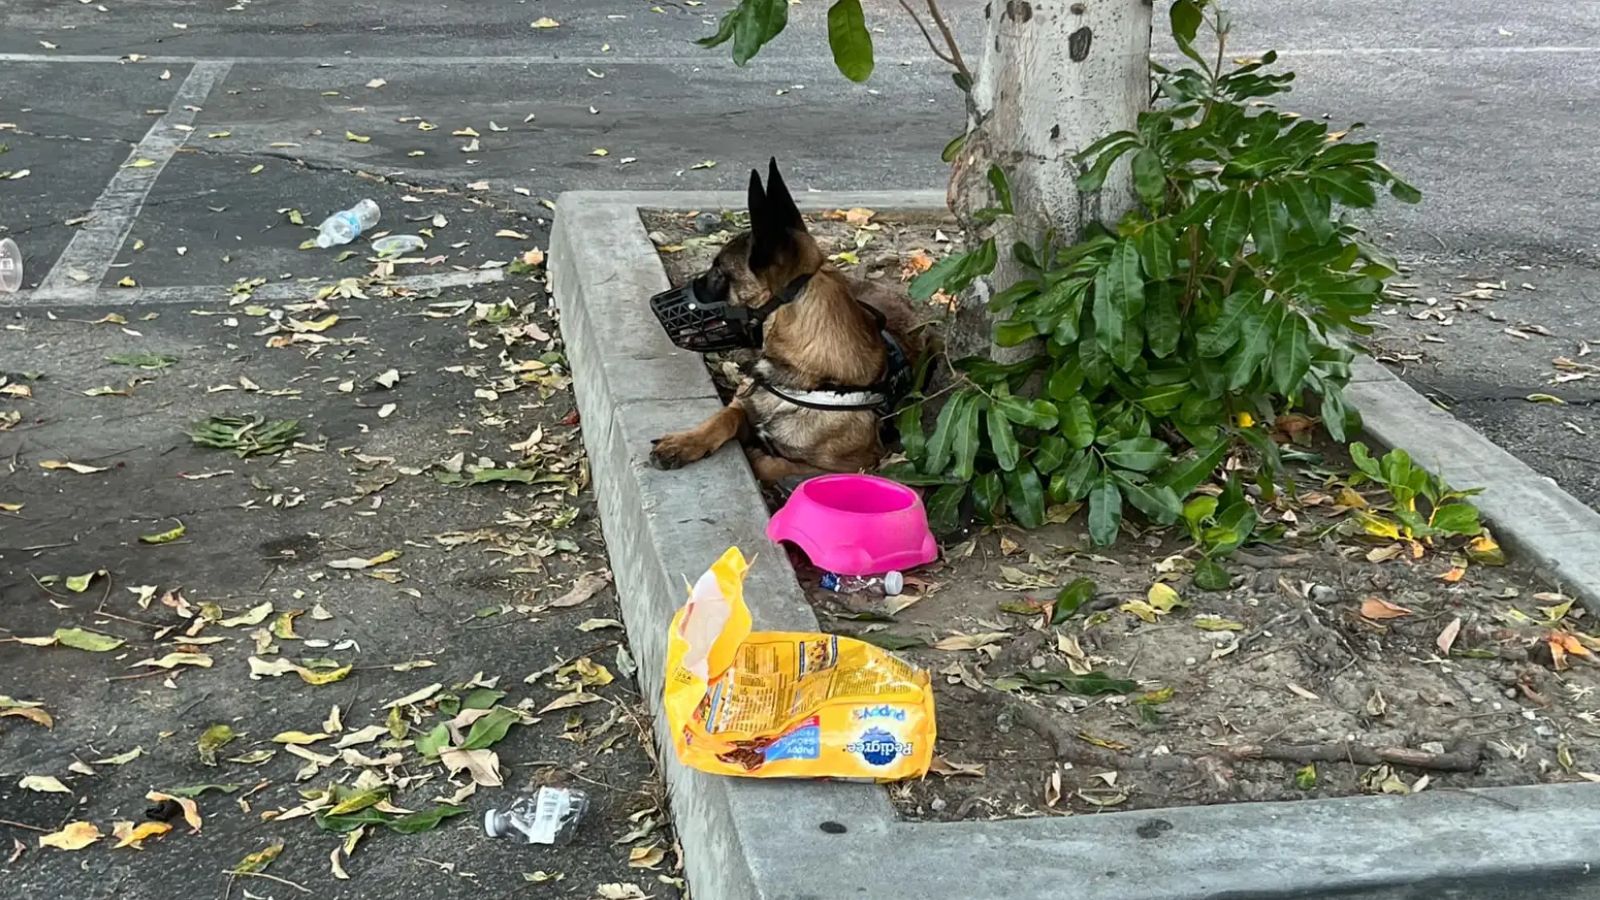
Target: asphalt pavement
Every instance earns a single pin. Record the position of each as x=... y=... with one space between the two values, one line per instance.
x=155 y=155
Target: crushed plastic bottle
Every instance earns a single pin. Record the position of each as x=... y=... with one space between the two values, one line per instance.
x=892 y=583
x=10 y=266
x=344 y=227
x=396 y=244
x=549 y=817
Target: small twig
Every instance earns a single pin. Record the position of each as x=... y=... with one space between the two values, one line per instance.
x=297 y=886
x=1464 y=759
x=932 y=45
x=24 y=825
x=950 y=41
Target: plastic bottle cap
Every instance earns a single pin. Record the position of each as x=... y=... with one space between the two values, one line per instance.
x=491 y=823
x=893 y=583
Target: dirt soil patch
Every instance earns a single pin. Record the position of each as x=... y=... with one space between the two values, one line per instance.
x=1334 y=664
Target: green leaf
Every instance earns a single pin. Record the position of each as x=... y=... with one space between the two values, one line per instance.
x=1077 y=592
x=84 y=639
x=1457 y=518
x=1209 y=576
x=1029 y=413
x=1220 y=335
x=414 y=823
x=987 y=494
x=1149 y=178
x=1269 y=222
x=924 y=285
x=1185 y=18
x=850 y=40
x=487 y=731
x=912 y=440
x=1291 y=354
x=1307 y=211
x=1092 y=179
x=942 y=444
x=1002 y=188
x=1305 y=777
x=1050 y=454
x=953 y=149
x=1163 y=323
x=1156 y=501
x=1074 y=481
x=966 y=439
x=1012 y=332
x=1186 y=474
x=519 y=476
x=1140 y=454
x=213 y=739
x=1404 y=192
x=1025 y=496
x=1105 y=512
x=1065 y=382
x=1001 y=440
x=1231 y=223
x=751 y=25
x=430 y=744
x=944 y=508
x=1078 y=425
x=1255 y=342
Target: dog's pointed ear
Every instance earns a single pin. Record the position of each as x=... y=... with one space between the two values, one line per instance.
x=755 y=198
x=780 y=203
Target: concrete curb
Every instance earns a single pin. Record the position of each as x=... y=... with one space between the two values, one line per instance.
x=749 y=839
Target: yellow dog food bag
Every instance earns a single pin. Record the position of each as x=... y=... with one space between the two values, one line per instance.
x=770 y=704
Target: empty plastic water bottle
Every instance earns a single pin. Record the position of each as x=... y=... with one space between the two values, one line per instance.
x=344 y=227
x=892 y=583
x=10 y=266
x=549 y=817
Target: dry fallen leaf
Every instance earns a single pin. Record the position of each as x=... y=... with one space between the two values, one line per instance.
x=44 y=784
x=949 y=769
x=1379 y=608
x=545 y=22
x=131 y=835
x=482 y=765
x=75 y=836
x=1447 y=637
x=971 y=641
x=587 y=585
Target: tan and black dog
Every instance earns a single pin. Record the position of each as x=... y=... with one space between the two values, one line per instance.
x=831 y=354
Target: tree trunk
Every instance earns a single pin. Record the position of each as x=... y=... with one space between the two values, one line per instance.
x=1056 y=75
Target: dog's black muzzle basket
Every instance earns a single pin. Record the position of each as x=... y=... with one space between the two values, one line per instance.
x=696 y=321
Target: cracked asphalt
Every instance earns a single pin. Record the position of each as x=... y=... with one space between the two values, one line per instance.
x=1491 y=110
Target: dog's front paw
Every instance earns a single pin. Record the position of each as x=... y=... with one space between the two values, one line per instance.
x=676 y=450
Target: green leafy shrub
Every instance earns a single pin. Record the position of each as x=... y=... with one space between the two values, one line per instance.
x=1174 y=336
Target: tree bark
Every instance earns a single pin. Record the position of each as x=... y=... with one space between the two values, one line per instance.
x=1055 y=76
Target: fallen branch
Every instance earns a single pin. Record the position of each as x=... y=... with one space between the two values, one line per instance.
x=1465 y=758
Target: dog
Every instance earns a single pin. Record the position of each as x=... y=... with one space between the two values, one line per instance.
x=833 y=354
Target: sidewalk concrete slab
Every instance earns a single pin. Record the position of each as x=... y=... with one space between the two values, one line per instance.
x=774 y=840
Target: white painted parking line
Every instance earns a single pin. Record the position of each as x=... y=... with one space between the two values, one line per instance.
x=275 y=292
x=717 y=62
x=94 y=247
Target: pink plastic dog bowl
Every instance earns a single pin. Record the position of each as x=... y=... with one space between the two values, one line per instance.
x=856 y=524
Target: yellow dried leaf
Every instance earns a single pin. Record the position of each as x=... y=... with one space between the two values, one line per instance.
x=140 y=163
x=1378 y=526
x=75 y=836
x=327 y=676
x=127 y=281
x=131 y=835
x=297 y=737
x=858 y=216
x=357 y=138
x=1447 y=637
x=1142 y=610
x=971 y=641
x=545 y=22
